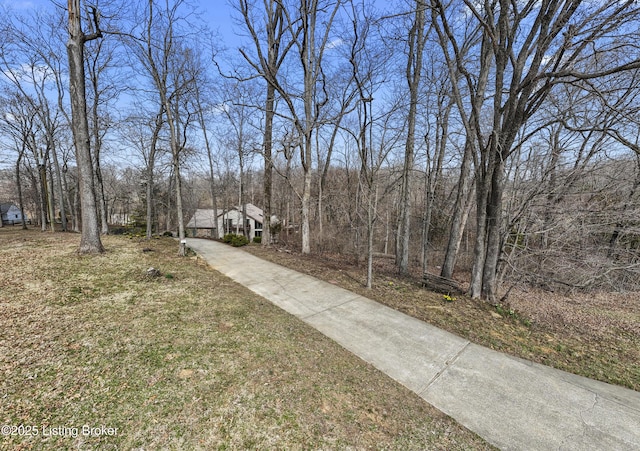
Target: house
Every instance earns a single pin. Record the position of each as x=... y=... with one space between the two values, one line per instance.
x=205 y=223
x=10 y=213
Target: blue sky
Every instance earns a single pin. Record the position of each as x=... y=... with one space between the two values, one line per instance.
x=217 y=13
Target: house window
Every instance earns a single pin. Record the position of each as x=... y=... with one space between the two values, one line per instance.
x=258 y=232
x=258 y=225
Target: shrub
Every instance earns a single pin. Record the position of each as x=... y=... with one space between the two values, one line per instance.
x=135 y=232
x=239 y=240
x=257 y=239
x=118 y=230
x=235 y=240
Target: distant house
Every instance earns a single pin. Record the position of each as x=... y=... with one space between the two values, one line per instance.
x=120 y=219
x=205 y=223
x=10 y=213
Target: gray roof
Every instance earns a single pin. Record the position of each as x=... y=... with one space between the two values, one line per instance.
x=253 y=212
x=205 y=218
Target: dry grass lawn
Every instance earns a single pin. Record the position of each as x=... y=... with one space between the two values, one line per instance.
x=188 y=360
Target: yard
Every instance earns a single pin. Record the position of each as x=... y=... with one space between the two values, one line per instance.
x=96 y=354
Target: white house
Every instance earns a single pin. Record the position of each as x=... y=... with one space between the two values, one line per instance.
x=205 y=222
x=10 y=213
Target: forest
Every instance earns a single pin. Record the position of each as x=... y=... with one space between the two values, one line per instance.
x=496 y=143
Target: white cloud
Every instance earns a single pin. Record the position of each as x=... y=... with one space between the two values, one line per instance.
x=335 y=43
x=27 y=73
x=220 y=108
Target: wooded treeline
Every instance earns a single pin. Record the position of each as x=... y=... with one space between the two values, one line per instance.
x=496 y=142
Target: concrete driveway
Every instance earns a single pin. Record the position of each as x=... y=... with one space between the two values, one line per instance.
x=512 y=403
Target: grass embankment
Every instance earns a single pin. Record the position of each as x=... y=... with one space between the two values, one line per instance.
x=596 y=335
x=186 y=360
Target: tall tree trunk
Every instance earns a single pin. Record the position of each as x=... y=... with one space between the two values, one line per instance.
x=90 y=239
x=494 y=234
x=101 y=199
x=174 y=133
x=268 y=164
x=182 y=250
x=460 y=214
x=149 y=198
x=241 y=200
x=212 y=183
x=433 y=174
x=213 y=191
x=372 y=213
x=50 y=197
x=71 y=201
x=305 y=212
x=426 y=225
x=309 y=63
x=417 y=41
x=269 y=66
x=480 y=247
x=168 y=222
x=304 y=31
x=151 y=163
x=101 y=202
x=60 y=192
x=42 y=179
x=77 y=207
x=19 y=185
x=35 y=188
x=308 y=57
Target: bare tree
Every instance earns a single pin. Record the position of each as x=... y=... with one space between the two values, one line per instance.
x=528 y=49
x=100 y=58
x=162 y=52
x=240 y=113
x=301 y=24
x=33 y=60
x=213 y=191
x=21 y=122
x=440 y=113
x=18 y=124
x=267 y=63
x=417 y=41
x=368 y=62
x=90 y=242
x=143 y=133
